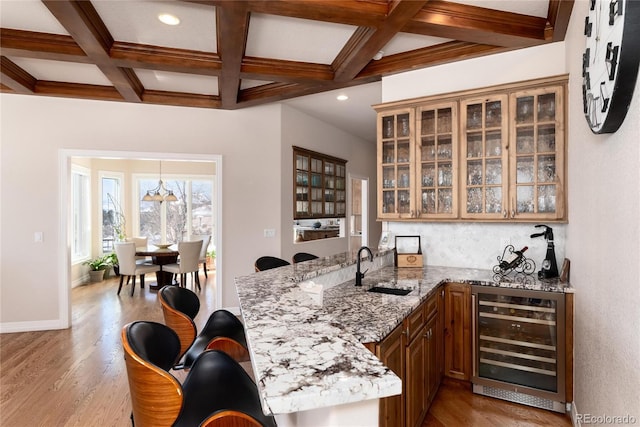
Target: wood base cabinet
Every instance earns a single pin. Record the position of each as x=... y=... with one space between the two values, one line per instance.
x=457 y=331
x=412 y=351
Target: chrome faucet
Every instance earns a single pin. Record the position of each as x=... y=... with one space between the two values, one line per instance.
x=360 y=276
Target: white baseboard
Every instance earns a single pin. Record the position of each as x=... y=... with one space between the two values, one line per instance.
x=574 y=413
x=37 y=325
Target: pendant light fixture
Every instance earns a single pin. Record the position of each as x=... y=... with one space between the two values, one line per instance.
x=160 y=193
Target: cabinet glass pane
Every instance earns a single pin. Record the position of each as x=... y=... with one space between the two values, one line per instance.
x=388 y=152
x=428 y=122
x=316 y=208
x=524 y=110
x=428 y=201
x=302 y=193
x=329 y=208
x=316 y=180
x=493 y=200
x=428 y=175
x=547 y=107
x=404 y=201
x=341 y=208
x=328 y=196
x=445 y=176
x=316 y=194
x=428 y=151
x=341 y=196
x=474 y=200
x=493 y=116
x=524 y=140
x=444 y=148
x=403 y=151
x=445 y=200
x=403 y=125
x=388 y=127
x=302 y=178
x=546 y=138
x=494 y=143
x=444 y=120
x=524 y=169
x=474 y=116
x=329 y=168
x=302 y=162
x=340 y=184
x=316 y=165
x=388 y=177
x=474 y=144
x=493 y=173
x=302 y=207
x=388 y=202
x=329 y=181
x=474 y=172
x=340 y=171
x=546 y=168
x=524 y=199
x=546 y=198
x=403 y=177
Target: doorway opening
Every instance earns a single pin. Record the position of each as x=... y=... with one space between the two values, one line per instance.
x=212 y=164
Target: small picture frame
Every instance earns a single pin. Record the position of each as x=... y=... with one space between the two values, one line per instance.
x=386 y=241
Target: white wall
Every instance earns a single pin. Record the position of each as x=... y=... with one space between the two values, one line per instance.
x=603 y=240
x=304 y=131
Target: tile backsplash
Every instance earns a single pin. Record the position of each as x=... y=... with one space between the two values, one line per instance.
x=477 y=245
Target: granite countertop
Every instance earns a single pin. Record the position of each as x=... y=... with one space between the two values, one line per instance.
x=306 y=354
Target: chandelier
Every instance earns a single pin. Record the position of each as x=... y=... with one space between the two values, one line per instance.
x=160 y=193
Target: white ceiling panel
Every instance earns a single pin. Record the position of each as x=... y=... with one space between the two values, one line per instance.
x=247 y=83
x=405 y=42
x=29 y=15
x=56 y=71
x=296 y=39
x=537 y=8
x=177 y=82
x=137 y=22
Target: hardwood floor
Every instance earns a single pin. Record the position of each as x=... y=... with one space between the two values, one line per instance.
x=77 y=377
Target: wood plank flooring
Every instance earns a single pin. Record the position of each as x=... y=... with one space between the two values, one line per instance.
x=77 y=377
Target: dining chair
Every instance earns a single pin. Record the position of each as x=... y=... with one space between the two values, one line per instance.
x=303 y=256
x=269 y=262
x=141 y=242
x=216 y=389
x=223 y=331
x=203 y=254
x=189 y=255
x=126 y=253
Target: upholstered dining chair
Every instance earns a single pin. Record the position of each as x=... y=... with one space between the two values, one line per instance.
x=303 y=256
x=223 y=331
x=188 y=254
x=203 y=254
x=141 y=242
x=126 y=253
x=269 y=262
x=216 y=390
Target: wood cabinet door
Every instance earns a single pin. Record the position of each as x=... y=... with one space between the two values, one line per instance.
x=433 y=371
x=457 y=331
x=391 y=353
x=416 y=378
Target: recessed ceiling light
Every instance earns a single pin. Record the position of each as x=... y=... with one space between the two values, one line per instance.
x=378 y=56
x=342 y=97
x=167 y=18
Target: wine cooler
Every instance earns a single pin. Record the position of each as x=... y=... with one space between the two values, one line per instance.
x=519 y=346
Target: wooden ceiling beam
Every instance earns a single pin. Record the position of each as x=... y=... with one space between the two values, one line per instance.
x=81 y=20
x=366 y=42
x=16 y=78
x=77 y=90
x=133 y=55
x=284 y=71
x=558 y=19
x=181 y=99
x=32 y=44
x=478 y=25
x=232 y=24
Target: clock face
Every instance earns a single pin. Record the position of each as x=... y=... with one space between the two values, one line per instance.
x=610 y=62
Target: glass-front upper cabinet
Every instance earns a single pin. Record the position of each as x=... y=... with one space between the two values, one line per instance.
x=484 y=163
x=396 y=164
x=437 y=166
x=537 y=155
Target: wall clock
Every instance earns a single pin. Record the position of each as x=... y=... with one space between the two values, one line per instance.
x=610 y=62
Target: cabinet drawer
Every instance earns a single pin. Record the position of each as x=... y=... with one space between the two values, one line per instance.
x=415 y=321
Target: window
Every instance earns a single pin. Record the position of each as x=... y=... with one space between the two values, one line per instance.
x=189 y=218
x=81 y=213
x=113 y=219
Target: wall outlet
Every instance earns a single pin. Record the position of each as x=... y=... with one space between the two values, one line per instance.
x=269 y=232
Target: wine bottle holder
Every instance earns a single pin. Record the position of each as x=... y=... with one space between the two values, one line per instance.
x=519 y=273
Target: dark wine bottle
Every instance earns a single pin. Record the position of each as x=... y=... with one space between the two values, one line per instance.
x=513 y=259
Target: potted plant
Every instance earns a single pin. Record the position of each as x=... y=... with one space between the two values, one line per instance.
x=97 y=267
x=211 y=259
x=112 y=260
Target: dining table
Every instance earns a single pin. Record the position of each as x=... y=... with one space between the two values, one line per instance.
x=160 y=255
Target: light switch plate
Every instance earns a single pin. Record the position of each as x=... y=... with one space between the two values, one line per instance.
x=38 y=236
x=269 y=232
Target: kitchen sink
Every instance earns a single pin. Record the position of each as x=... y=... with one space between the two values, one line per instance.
x=390 y=291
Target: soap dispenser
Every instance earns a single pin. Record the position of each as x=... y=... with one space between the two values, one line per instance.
x=549 y=265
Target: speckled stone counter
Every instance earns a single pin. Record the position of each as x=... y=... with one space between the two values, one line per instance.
x=308 y=354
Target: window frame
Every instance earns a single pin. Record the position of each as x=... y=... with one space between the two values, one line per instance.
x=79 y=255
x=119 y=198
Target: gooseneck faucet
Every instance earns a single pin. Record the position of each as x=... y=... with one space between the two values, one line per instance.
x=360 y=276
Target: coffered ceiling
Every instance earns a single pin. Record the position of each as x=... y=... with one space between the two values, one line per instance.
x=231 y=54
